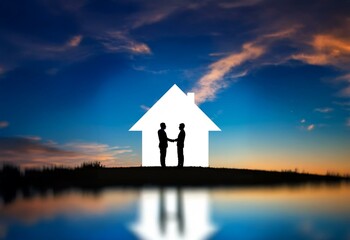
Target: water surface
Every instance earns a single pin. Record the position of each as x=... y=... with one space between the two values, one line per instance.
x=303 y=212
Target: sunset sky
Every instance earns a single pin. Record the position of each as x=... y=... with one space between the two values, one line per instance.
x=273 y=75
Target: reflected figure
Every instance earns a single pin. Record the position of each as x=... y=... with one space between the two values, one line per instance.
x=180 y=211
x=165 y=217
x=163 y=143
x=180 y=145
x=162 y=214
x=174 y=213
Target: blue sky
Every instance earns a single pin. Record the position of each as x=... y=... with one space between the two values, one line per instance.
x=273 y=75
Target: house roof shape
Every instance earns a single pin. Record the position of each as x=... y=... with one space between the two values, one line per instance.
x=175 y=104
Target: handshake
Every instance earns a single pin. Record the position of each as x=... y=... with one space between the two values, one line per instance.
x=172 y=140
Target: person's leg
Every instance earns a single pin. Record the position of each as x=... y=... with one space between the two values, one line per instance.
x=162 y=156
x=180 y=156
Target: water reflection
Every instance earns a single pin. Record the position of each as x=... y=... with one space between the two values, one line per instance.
x=305 y=212
x=174 y=213
x=68 y=215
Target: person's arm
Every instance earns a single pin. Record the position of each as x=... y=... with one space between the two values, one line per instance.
x=175 y=140
x=166 y=137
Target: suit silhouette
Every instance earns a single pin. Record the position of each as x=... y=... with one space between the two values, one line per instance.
x=163 y=143
x=180 y=145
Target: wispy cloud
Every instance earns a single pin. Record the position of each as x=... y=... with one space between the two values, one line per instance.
x=155 y=11
x=213 y=81
x=345 y=81
x=120 y=41
x=344 y=78
x=31 y=137
x=310 y=127
x=4 y=124
x=324 y=110
x=345 y=92
x=145 y=69
x=75 y=41
x=326 y=49
x=342 y=104
x=68 y=51
x=282 y=33
x=33 y=152
x=152 y=14
x=71 y=43
x=218 y=54
x=144 y=107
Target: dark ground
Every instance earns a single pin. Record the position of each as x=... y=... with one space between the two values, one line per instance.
x=13 y=181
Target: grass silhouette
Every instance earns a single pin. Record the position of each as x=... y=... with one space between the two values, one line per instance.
x=94 y=176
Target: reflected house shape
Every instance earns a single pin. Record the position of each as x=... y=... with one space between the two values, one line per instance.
x=173 y=214
x=173 y=108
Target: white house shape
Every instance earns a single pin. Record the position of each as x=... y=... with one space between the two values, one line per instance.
x=173 y=108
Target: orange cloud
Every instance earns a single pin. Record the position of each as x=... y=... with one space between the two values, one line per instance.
x=208 y=85
x=139 y=48
x=33 y=153
x=314 y=59
x=326 y=50
x=212 y=81
x=118 y=41
x=75 y=41
x=334 y=45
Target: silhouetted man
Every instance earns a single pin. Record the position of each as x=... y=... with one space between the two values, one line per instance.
x=180 y=145
x=163 y=143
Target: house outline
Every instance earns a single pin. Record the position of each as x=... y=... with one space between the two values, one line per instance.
x=173 y=108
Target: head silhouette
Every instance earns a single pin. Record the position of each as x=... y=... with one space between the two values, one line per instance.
x=162 y=126
x=181 y=126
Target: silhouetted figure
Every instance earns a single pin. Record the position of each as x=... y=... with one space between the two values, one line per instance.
x=163 y=143
x=180 y=145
